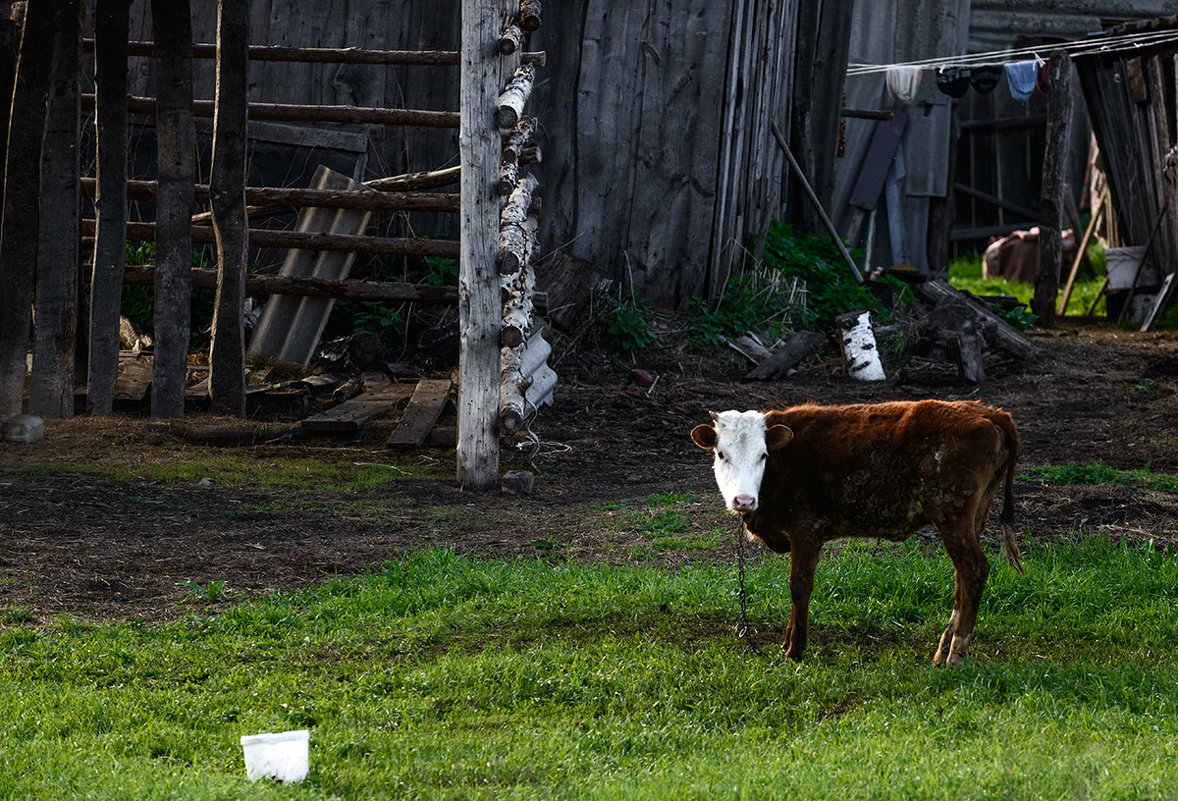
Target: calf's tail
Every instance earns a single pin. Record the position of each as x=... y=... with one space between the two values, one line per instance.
x=1009 y=541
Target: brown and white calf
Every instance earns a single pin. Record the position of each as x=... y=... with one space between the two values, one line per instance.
x=804 y=475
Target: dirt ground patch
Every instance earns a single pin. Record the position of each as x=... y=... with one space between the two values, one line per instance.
x=100 y=548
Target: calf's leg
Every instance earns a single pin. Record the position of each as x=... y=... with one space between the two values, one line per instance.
x=971 y=570
x=803 y=561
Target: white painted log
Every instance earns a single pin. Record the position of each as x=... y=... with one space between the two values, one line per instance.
x=860 y=354
x=515 y=96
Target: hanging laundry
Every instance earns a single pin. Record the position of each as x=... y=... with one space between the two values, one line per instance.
x=984 y=77
x=1043 y=79
x=1021 y=75
x=953 y=81
x=903 y=82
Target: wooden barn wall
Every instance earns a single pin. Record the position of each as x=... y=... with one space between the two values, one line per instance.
x=1136 y=138
x=662 y=168
x=659 y=168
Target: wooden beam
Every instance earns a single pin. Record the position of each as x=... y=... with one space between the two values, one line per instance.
x=227 y=196
x=22 y=183
x=323 y=55
x=51 y=385
x=994 y=200
x=264 y=238
x=287 y=112
x=479 y=310
x=111 y=21
x=351 y=289
x=1051 y=205
x=176 y=145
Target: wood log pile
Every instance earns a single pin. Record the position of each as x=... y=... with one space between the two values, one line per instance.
x=944 y=337
x=959 y=338
x=526 y=380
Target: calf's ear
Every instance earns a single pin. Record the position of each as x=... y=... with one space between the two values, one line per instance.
x=777 y=434
x=778 y=437
x=704 y=436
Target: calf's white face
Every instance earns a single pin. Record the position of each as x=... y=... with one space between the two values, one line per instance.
x=740 y=442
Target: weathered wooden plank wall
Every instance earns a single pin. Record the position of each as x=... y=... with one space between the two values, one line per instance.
x=1136 y=137
x=658 y=165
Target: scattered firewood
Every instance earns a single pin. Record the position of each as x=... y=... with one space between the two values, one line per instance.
x=786 y=356
x=750 y=347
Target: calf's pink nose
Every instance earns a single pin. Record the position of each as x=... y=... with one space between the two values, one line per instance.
x=744 y=503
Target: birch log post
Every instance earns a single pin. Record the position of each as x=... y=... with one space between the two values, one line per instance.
x=227 y=197
x=518 y=289
x=508 y=178
x=515 y=96
x=527 y=382
x=22 y=186
x=111 y=23
x=51 y=386
x=529 y=15
x=1051 y=205
x=479 y=313
x=172 y=28
x=513 y=233
x=519 y=139
x=510 y=40
x=860 y=354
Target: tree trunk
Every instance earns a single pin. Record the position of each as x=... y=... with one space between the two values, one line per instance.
x=1059 y=121
x=22 y=187
x=51 y=389
x=172 y=28
x=111 y=21
x=227 y=196
x=478 y=279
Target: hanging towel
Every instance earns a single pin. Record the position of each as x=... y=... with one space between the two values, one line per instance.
x=1043 y=80
x=903 y=82
x=953 y=81
x=1021 y=75
x=984 y=77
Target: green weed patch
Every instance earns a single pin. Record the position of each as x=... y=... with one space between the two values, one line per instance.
x=1100 y=473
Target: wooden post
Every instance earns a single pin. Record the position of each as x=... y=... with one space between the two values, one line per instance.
x=111 y=22
x=227 y=196
x=51 y=387
x=478 y=278
x=172 y=28
x=1051 y=203
x=22 y=186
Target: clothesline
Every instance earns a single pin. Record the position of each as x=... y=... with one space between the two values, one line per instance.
x=1101 y=43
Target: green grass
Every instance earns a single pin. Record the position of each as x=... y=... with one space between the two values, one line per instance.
x=447 y=677
x=664 y=525
x=966 y=273
x=1100 y=473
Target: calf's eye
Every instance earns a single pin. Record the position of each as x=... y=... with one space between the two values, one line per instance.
x=720 y=455
x=764 y=456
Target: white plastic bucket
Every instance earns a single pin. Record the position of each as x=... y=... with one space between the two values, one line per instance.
x=1122 y=264
x=284 y=755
